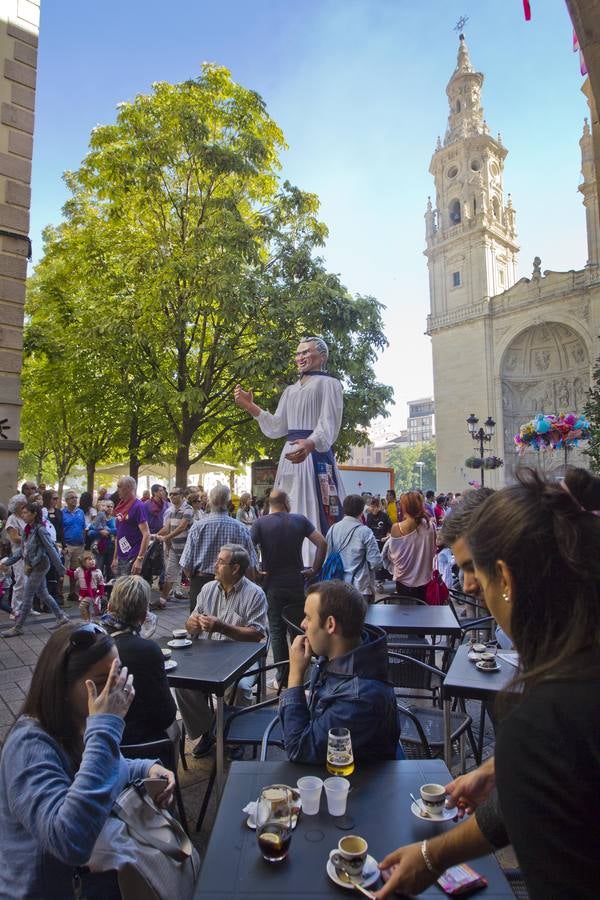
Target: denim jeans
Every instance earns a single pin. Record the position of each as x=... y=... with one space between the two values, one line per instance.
x=277 y=599
x=35 y=584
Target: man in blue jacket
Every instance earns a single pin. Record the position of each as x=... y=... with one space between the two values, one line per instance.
x=348 y=686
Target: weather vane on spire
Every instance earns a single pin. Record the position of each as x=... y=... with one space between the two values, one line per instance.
x=461 y=24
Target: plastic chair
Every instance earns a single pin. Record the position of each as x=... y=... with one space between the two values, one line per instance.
x=164 y=749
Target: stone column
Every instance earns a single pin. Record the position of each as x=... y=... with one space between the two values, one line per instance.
x=19 y=27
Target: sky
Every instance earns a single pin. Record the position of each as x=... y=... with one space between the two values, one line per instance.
x=358 y=88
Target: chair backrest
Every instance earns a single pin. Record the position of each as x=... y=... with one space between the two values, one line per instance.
x=292 y=615
x=412 y=668
x=163 y=749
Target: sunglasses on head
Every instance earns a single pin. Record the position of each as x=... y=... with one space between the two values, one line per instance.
x=84 y=636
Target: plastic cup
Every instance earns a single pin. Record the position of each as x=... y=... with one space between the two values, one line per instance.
x=310 y=793
x=336 y=791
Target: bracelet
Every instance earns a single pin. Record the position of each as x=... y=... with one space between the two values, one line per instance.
x=138 y=558
x=427 y=859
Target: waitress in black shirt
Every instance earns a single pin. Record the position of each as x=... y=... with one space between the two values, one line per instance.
x=535 y=548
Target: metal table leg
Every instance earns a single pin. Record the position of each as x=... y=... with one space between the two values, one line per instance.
x=220 y=746
x=447 y=733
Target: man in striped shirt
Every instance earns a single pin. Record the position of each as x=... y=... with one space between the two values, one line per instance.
x=173 y=535
x=207 y=536
x=230 y=608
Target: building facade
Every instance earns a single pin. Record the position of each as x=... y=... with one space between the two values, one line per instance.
x=19 y=25
x=501 y=347
x=420 y=422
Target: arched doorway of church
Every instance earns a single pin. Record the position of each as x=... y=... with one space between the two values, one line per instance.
x=545 y=369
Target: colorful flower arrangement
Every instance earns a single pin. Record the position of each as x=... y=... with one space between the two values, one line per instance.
x=552 y=432
x=489 y=462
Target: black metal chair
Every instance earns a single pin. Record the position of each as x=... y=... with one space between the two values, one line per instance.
x=429 y=733
x=292 y=615
x=245 y=727
x=401 y=599
x=164 y=750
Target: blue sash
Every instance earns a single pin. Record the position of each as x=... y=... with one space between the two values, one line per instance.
x=326 y=483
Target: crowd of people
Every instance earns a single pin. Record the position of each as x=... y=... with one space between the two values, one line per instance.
x=527 y=552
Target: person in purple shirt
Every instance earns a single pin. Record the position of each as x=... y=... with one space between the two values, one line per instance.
x=156 y=507
x=133 y=534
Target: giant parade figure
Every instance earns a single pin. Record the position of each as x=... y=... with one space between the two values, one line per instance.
x=309 y=414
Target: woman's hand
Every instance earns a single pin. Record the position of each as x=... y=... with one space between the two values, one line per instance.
x=165 y=798
x=467 y=792
x=408 y=872
x=117 y=696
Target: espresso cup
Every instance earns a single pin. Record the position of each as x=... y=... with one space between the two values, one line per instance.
x=433 y=797
x=351 y=855
x=180 y=634
x=488 y=659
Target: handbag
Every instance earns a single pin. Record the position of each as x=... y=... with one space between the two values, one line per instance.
x=436 y=590
x=152 y=855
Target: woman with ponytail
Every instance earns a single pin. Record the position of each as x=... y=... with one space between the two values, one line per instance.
x=536 y=551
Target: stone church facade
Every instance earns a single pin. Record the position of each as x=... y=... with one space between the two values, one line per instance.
x=501 y=347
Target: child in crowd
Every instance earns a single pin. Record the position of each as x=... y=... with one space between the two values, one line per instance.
x=91 y=586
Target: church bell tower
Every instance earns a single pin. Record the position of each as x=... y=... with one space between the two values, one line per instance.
x=470 y=233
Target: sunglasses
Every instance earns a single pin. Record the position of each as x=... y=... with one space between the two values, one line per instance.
x=84 y=636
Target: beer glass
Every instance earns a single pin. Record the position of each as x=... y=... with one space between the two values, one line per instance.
x=274 y=822
x=340 y=759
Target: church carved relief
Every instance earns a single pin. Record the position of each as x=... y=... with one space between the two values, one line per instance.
x=558 y=352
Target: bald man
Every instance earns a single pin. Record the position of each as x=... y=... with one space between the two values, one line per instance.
x=280 y=536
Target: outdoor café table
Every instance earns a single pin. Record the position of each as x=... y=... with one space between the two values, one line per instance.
x=378 y=803
x=463 y=679
x=211 y=667
x=397 y=618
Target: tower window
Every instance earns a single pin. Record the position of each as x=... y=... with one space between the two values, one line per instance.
x=501 y=274
x=454 y=212
x=495 y=208
x=456 y=279
x=458 y=106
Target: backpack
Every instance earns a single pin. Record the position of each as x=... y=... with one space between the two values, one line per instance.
x=333 y=567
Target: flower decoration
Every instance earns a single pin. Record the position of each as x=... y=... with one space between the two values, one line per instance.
x=492 y=462
x=473 y=462
x=549 y=432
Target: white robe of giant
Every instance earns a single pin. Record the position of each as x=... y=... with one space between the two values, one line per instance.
x=314 y=405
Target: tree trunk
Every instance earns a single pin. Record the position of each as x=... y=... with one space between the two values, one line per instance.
x=182 y=464
x=134 y=447
x=90 y=468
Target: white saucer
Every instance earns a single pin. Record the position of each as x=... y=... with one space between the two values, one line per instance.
x=482 y=668
x=370 y=873
x=446 y=816
x=170 y=664
x=178 y=643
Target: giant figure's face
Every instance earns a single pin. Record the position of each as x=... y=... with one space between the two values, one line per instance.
x=307 y=357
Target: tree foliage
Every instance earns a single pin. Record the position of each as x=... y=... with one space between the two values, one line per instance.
x=184 y=266
x=404 y=460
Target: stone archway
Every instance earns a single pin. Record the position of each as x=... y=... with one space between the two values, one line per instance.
x=545 y=369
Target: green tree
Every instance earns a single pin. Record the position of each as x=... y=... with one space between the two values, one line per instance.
x=404 y=460
x=592 y=412
x=197 y=267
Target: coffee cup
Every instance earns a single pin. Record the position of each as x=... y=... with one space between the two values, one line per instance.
x=166 y=653
x=433 y=798
x=351 y=854
x=479 y=648
x=180 y=634
x=488 y=658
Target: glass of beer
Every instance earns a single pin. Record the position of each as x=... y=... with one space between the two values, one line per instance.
x=274 y=822
x=340 y=759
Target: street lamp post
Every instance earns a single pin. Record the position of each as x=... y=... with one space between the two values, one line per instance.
x=483 y=435
x=419 y=465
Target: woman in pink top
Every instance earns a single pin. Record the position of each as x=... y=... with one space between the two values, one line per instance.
x=410 y=550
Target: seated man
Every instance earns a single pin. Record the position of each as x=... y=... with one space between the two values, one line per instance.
x=230 y=608
x=349 y=686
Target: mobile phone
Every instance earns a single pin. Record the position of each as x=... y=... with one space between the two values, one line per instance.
x=155 y=786
x=461 y=880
